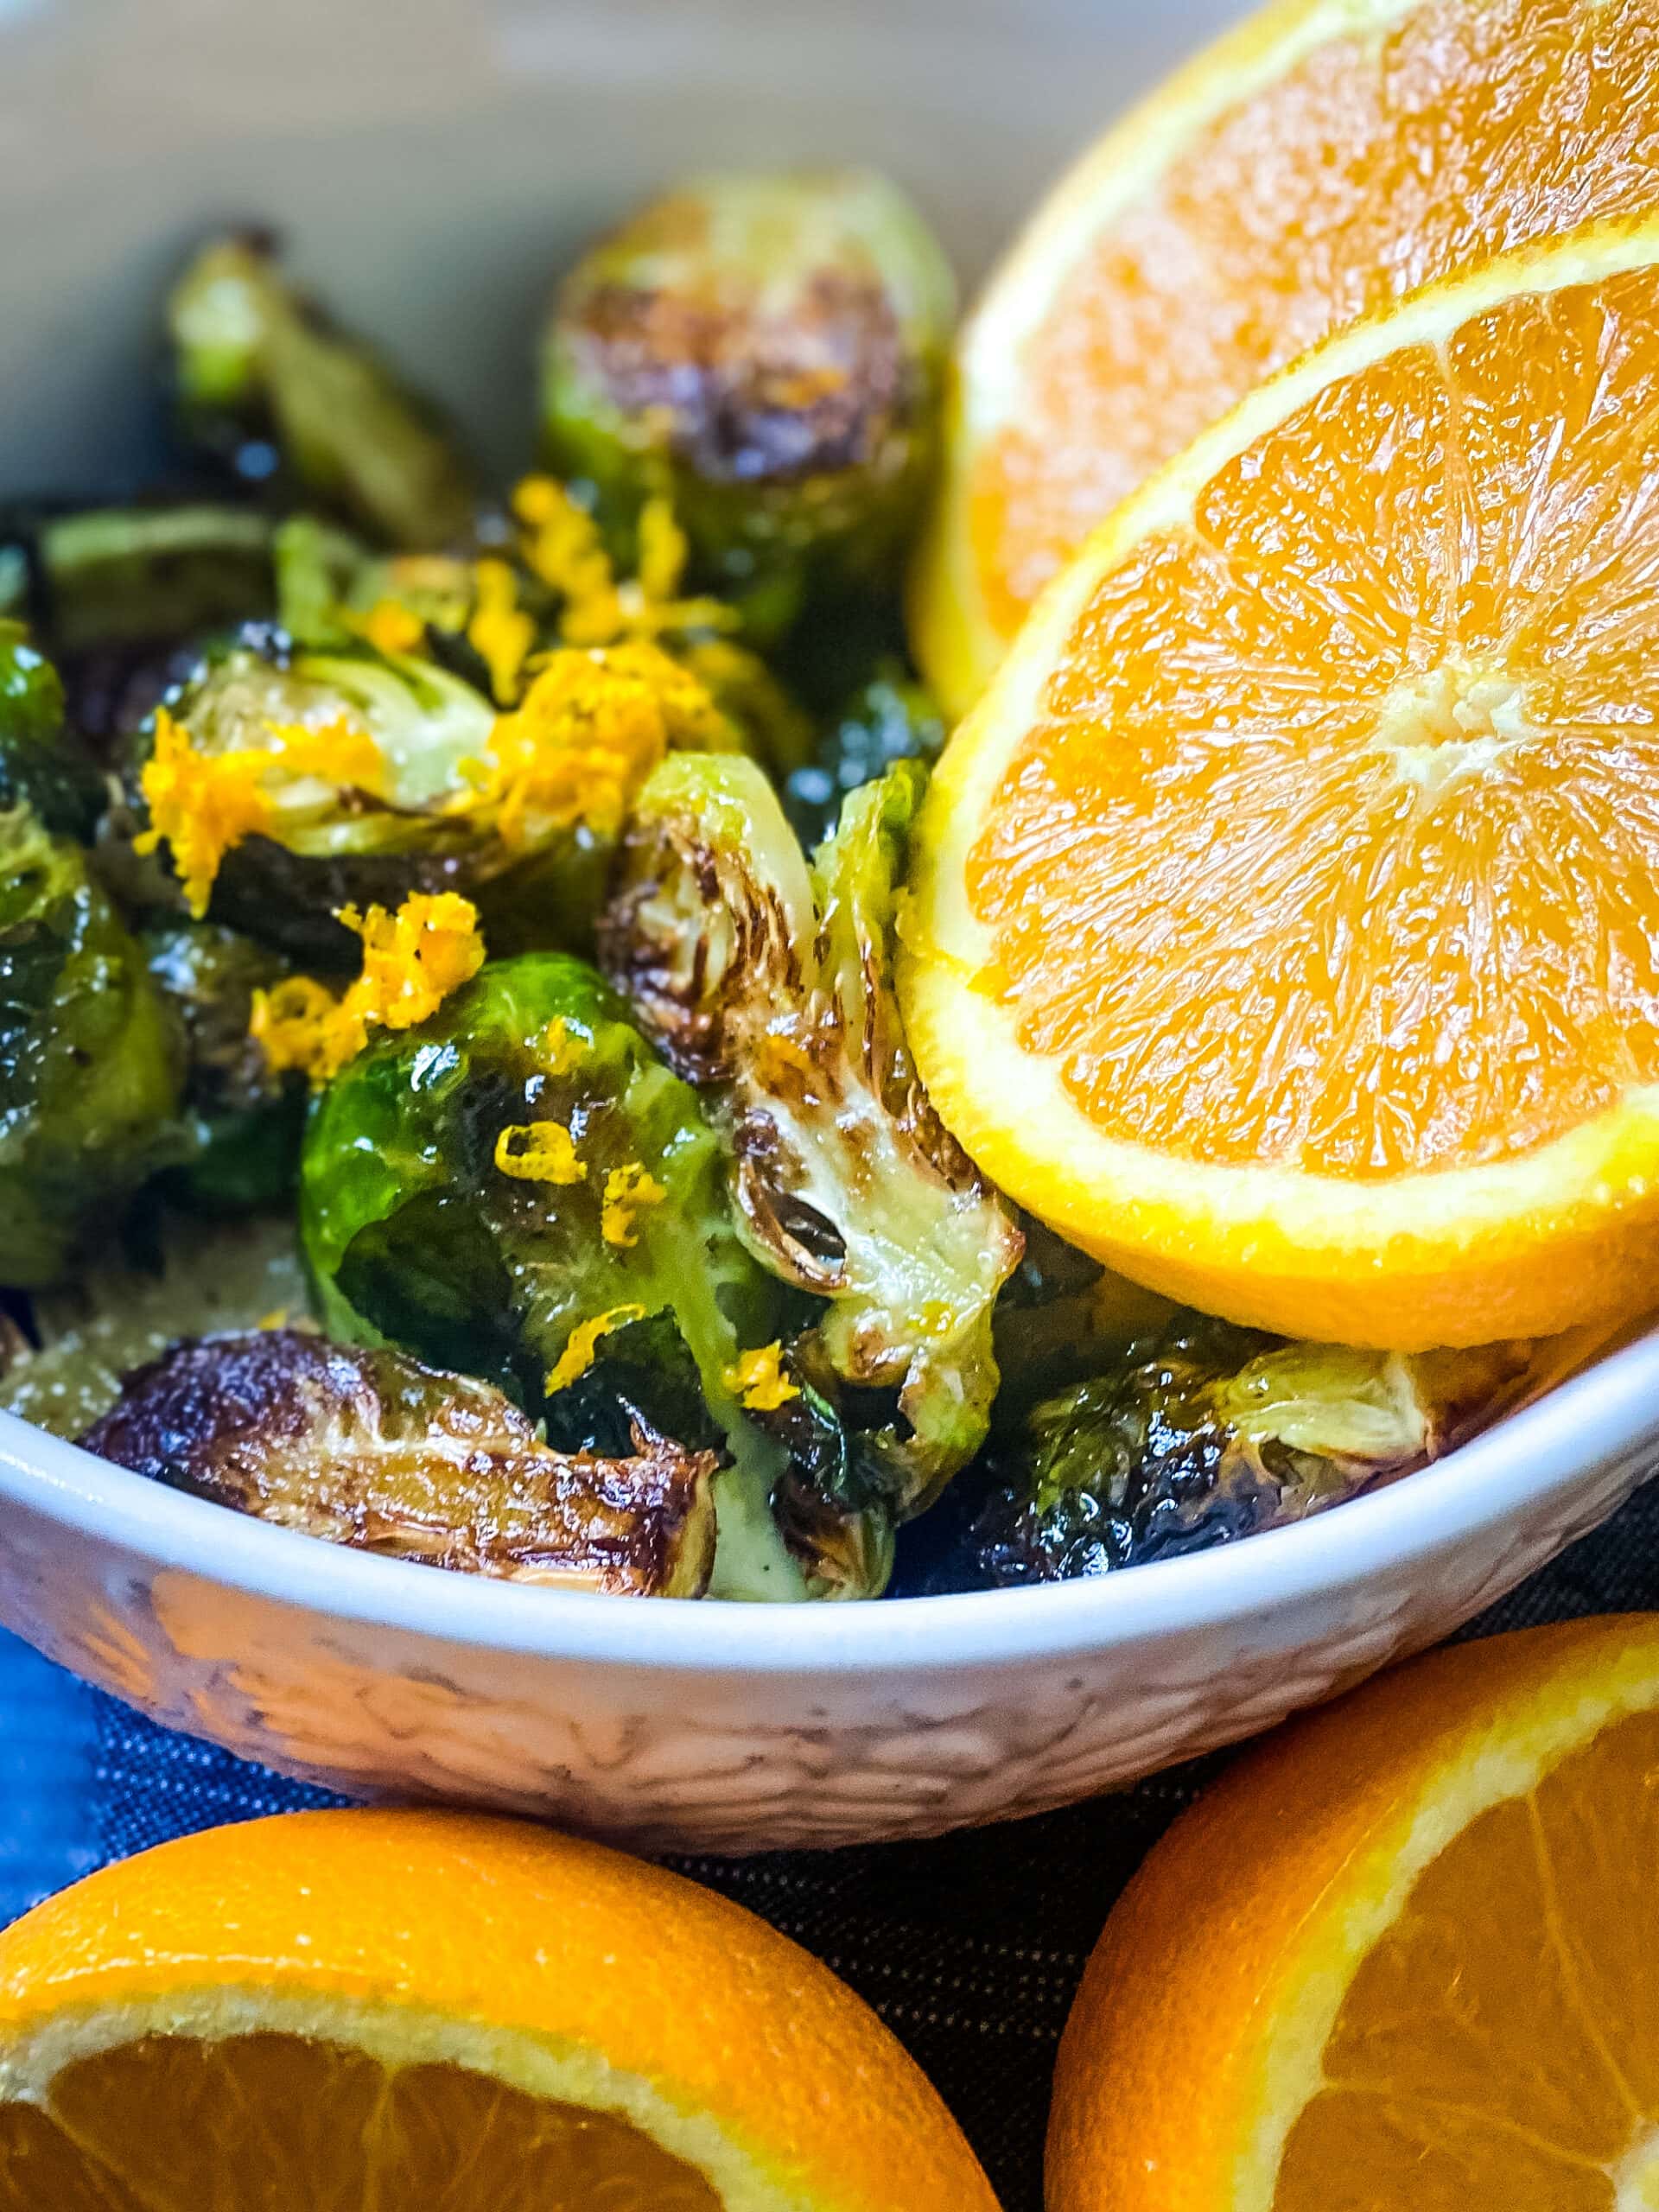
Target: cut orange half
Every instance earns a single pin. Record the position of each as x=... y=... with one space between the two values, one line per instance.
x=1324 y=158
x=1405 y=1958
x=1286 y=929
x=427 y=2012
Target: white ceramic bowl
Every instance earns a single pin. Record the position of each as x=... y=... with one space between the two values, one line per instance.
x=434 y=161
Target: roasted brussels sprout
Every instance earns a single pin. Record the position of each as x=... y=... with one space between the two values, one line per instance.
x=766 y=351
x=507 y=1185
x=369 y=1448
x=771 y=986
x=288 y=788
x=89 y=1061
x=40 y=765
x=1202 y=1433
x=270 y=389
x=172 y=1276
x=244 y=1122
x=891 y=718
x=132 y=576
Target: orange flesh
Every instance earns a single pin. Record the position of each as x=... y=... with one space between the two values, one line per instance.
x=1336 y=846
x=1380 y=162
x=170 y=2124
x=1499 y=2046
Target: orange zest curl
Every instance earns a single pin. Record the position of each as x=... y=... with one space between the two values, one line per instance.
x=500 y=632
x=202 y=805
x=556 y=1051
x=390 y=627
x=592 y=727
x=539 y=1151
x=562 y=545
x=627 y=1189
x=582 y=1342
x=340 y=752
x=412 y=961
x=758 y=1379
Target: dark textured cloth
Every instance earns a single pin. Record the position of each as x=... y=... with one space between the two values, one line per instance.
x=969 y=1947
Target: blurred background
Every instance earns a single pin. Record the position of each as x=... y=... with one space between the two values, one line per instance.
x=436 y=162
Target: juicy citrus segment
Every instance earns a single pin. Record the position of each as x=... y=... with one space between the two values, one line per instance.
x=1325 y=160
x=1435 y=1980
x=430 y=2012
x=170 y=2124
x=1290 y=916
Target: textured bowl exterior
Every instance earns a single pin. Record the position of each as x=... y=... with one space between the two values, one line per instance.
x=727 y=1728
x=434 y=162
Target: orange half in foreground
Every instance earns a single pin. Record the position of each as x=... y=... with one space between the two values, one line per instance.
x=1404 y=1958
x=1324 y=158
x=425 y=2012
x=1286 y=929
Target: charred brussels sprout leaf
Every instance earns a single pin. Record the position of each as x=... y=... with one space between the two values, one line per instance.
x=41 y=765
x=507 y=1186
x=89 y=1061
x=767 y=351
x=269 y=388
x=369 y=1448
x=1204 y=1433
x=245 y=1125
x=771 y=985
x=891 y=718
x=132 y=576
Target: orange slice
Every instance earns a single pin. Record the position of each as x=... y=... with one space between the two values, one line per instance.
x=1405 y=1955
x=1324 y=158
x=1286 y=928
x=426 y=2013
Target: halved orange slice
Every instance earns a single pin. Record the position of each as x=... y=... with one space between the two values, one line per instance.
x=1324 y=158
x=1287 y=923
x=429 y=2012
x=1404 y=1958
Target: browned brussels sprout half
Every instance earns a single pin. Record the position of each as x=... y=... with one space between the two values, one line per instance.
x=766 y=351
x=90 y=1063
x=271 y=388
x=770 y=984
x=517 y=1183
x=370 y=1449
x=1201 y=1433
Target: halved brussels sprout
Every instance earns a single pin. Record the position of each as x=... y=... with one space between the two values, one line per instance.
x=266 y=385
x=370 y=1449
x=767 y=351
x=771 y=985
x=511 y=1185
x=40 y=765
x=1201 y=1433
x=90 y=1063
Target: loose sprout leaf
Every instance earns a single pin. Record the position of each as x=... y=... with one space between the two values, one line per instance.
x=197 y=1279
x=768 y=352
x=128 y=576
x=769 y=984
x=417 y=1236
x=1202 y=1433
x=269 y=388
x=40 y=765
x=90 y=1061
x=369 y=1448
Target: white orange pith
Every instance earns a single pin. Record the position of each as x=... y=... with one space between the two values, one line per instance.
x=1324 y=159
x=427 y=2012
x=1405 y=1955
x=1287 y=925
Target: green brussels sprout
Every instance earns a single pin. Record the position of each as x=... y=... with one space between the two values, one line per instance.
x=367 y=1448
x=505 y=1187
x=244 y=1124
x=266 y=385
x=770 y=985
x=89 y=1060
x=768 y=351
x=181 y=1276
x=132 y=576
x=41 y=765
x=892 y=717
x=334 y=839
x=1201 y=1433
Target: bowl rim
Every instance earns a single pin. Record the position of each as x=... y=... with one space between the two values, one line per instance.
x=1593 y=1419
